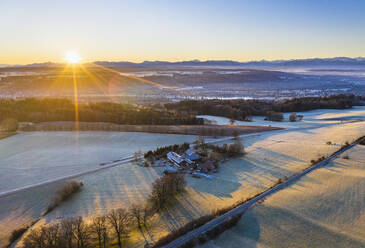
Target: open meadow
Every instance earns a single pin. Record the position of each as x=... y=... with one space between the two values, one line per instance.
x=270 y=156
x=312 y=118
x=34 y=157
x=326 y=208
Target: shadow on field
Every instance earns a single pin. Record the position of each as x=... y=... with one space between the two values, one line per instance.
x=22 y=208
x=113 y=188
x=259 y=173
x=276 y=228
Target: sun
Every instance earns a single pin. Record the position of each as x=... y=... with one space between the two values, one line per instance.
x=72 y=57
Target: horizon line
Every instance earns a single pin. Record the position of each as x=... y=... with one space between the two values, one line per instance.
x=180 y=61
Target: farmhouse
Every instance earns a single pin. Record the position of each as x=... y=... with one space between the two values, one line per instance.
x=178 y=159
x=175 y=158
x=191 y=155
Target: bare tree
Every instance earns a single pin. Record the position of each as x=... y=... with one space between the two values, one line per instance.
x=164 y=189
x=119 y=220
x=35 y=239
x=99 y=229
x=141 y=213
x=147 y=213
x=52 y=236
x=137 y=212
x=199 y=141
x=67 y=232
x=81 y=232
x=138 y=155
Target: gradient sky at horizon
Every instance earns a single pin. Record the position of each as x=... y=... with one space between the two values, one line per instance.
x=138 y=30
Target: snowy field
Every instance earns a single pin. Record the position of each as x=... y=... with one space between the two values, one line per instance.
x=270 y=155
x=326 y=208
x=34 y=157
x=311 y=118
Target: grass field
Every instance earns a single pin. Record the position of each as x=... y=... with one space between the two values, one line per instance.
x=310 y=118
x=324 y=209
x=270 y=156
x=34 y=157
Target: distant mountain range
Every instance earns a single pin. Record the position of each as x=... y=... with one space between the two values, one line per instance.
x=312 y=62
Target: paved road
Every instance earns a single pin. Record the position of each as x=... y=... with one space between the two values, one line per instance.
x=122 y=161
x=242 y=208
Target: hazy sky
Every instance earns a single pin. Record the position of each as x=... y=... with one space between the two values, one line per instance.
x=137 y=30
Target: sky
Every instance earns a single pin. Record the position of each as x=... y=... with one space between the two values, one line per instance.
x=171 y=30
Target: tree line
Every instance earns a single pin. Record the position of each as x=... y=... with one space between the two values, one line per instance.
x=240 y=109
x=103 y=230
x=51 y=109
x=161 y=152
x=77 y=233
x=218 y=152
x=180 y=113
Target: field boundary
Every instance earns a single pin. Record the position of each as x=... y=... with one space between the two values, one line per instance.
x=4 y=135
x=203 y=130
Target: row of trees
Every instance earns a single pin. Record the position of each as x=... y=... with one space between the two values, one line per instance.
x=219 y=152
x=77 y=233
x=243 y=109
x=45 y=110
x=274 y=116
x=161 y=152
x=62 y=194
x=114 y=226
x=181 y=113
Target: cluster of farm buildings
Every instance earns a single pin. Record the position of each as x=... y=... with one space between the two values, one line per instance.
x=190 y=159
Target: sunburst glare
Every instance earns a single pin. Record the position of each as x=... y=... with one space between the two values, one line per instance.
x=72 y=57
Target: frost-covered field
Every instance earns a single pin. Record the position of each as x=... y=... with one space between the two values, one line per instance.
x=326 y=208
x=270 y=156
x=311 y=118
x=34 y=157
